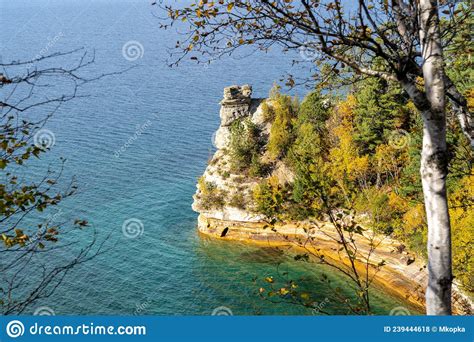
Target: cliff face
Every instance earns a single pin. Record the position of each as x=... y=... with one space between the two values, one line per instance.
x=224 y=201
x=221 y=194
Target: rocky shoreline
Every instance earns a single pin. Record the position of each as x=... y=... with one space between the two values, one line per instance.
x=404 y=274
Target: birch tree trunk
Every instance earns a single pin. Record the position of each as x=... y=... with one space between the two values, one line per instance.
x=434 y=164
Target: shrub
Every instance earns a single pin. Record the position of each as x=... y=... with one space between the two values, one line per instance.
x=237 y=200
x=210 y=196
x=281 y=135
x=315 y=110
x=244 y=144
x=268 y=112
x=383 y=208
x=268 y=197
x=225 y=174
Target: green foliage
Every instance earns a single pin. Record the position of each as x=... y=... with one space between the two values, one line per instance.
x=245 y=146
x=379 y=110
x=268 y=197
x=381 y=214
x=285 y=110
x=462 y=221
x=238 y=200
x=345 y=154
x=268 y=112
x=210 y=196
x=363 y=168
x=344 y=157
x=257 y=168
x=308 y=193
x=310 y=131
x=458 y=55
x=314 y=110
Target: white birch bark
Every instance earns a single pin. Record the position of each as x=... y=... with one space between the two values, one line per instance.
x=434 y=163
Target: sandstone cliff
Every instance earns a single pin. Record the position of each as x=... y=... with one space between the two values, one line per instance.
x=224 y=202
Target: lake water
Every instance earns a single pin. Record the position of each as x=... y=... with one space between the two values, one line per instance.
x=169 y=269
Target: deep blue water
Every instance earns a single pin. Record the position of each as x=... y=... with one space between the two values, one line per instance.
x=169 y=269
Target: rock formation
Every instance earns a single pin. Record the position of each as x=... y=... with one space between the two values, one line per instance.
x=237 y=104
x=224 y=202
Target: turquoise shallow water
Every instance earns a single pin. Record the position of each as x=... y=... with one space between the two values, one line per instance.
x=169 y=269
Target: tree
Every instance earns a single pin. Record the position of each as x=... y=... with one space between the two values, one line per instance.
x=400 y=41
x=379 y=108
x=29 y=267
x=281 y=135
